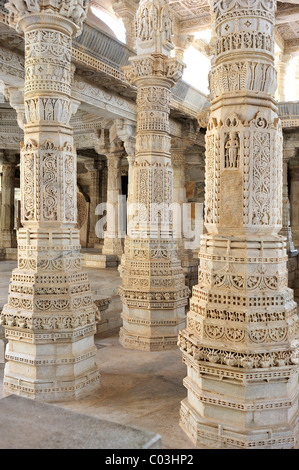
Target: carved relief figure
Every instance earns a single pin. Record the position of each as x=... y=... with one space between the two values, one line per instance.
x=232 y=151
x=166 y=22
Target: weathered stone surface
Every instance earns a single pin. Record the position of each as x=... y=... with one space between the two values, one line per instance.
x=34 y=425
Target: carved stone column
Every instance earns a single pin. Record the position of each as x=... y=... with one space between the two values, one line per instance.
x=178 y=160
x=50 y=316
x=131 y=160
x=126 y=10
x=286 y=230
x=153 y=290
x=241 y=341
x=281 y=64
x=7 y=225
x=113 y=243
x=294 y=202
x=181 y=44
x=126 y=131
x=94 y=171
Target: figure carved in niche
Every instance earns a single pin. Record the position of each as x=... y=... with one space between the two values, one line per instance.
x=167 y=22
x=232 y=151
x=146 y=21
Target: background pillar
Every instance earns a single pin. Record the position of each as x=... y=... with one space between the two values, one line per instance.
x=7 y=222
x=153 y=291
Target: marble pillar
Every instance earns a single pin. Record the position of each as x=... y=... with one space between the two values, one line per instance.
x=178 y=160
x=94 y=172
x=126 y=13
x=286 y=230
x=7 y=222
x=281 y=64
x=294 y=202
x=241 y=341
x=113 y=241
x=50 y=317
x=153 y=291
x=126 y=131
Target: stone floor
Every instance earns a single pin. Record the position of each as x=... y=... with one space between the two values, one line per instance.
x=140 y=389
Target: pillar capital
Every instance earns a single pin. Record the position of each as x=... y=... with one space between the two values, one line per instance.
x=181 y=43
x=156 y=68
x=8 y=168
x=282 y=59
x=16 y=100
x=25 y=14
x=126 y=11
x=126 y=131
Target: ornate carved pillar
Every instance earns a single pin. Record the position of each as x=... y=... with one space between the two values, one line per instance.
x=50 y=316
x=286 y=230
x=294 y=203
x=126 y=131
x=7 y=224
x=94 y=171
x=113 y=243
x=178 y=160
x=181 y=44
x=126 y=11
x=241 y=341
x=153 y=291
x=281 y=64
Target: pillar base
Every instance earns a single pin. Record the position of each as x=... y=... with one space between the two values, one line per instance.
x=56 y=391
x=50 y=367
x=152 y=320
x=211 y=434
x=8 y=239
x=151 y=330
x=98 y=260
x=113 y=247
x=147 y=343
